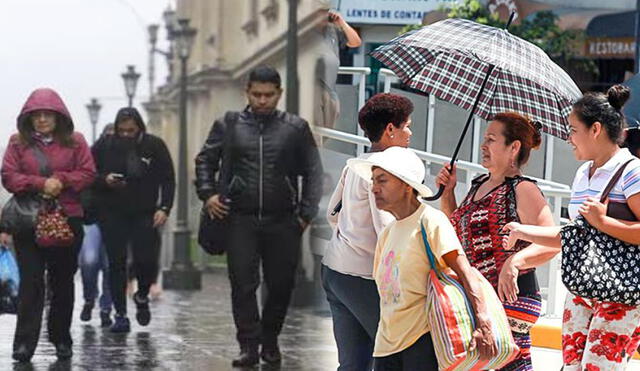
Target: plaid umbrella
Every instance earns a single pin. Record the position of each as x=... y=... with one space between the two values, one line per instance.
x=483 y=69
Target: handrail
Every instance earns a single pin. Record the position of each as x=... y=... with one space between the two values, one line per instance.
x=554 y=188
x=354 y=70
x=553 y=191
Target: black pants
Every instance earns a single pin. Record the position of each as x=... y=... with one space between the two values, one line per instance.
x=274 y=242
x=61 y=264
x=118 y=231
x=419 y=356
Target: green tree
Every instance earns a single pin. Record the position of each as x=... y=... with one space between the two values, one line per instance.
x=542 y=30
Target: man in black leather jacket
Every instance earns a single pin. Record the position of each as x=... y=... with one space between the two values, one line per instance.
x=267 y=151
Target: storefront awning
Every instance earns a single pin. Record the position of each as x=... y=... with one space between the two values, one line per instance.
x=611 y=36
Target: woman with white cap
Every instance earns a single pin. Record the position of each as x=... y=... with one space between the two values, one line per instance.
x=401 y=265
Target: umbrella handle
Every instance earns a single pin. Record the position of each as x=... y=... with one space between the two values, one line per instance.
x=441 y=189
x=454 y=157
x=436 y=196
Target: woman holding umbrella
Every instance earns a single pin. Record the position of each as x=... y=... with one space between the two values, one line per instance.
x=400 y=269
x=495 y=199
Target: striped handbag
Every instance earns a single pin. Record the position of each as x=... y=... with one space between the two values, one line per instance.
x=452 y=321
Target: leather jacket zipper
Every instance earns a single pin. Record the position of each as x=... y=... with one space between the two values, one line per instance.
x=260 y=186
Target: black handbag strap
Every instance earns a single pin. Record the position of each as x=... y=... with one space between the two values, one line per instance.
x=43 y=163
x=613 y=181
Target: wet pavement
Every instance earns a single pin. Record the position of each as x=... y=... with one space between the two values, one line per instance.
x=189 y=331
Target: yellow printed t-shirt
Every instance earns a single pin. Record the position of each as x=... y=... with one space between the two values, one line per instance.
x=400 y=269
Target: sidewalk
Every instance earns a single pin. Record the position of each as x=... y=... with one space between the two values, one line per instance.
x=189 y=331
x=194 y=331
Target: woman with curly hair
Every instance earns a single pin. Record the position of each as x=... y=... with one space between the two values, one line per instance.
x=348 y=262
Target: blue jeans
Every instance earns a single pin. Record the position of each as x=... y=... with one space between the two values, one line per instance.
x=355 y=308
x=92 y=260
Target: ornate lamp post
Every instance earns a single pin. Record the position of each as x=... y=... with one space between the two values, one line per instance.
x=94 y=110
x=169 y=19
x=182 y=274
x=130 y=78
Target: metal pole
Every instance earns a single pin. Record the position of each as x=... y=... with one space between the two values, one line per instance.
x=182 y=275
x=131 y=101
x=152 y=72
x=93 y=132
x=292 y=59
x=182 y=244
x=637 y=69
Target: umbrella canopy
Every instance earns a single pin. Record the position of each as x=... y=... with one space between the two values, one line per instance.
x=452 y=59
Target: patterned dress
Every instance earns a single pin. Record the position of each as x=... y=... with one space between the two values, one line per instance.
x=478 y=225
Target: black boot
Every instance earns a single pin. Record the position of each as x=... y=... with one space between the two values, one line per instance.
x=105 y=318
x=248 y=356
x=63 y=351
x=143 y=315
x=271 y=352
x=85 y=315
x=21 y=353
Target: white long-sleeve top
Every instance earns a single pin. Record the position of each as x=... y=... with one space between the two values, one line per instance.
x=356 y=227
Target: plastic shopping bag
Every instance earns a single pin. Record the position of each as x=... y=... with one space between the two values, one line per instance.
x=9 y=281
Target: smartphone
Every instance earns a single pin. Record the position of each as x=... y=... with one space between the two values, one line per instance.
x=118 y=177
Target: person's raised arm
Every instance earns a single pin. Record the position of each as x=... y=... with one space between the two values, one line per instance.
x=353 y=39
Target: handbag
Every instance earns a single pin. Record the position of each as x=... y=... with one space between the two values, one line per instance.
x=452 y=321
x=596 y=265
x=52 y=226
x=20 y=212
x=212 y=232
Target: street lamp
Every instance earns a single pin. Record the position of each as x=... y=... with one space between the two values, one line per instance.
x=182 y=274
x=94 y=110
x=293 y=103
x=130 y=78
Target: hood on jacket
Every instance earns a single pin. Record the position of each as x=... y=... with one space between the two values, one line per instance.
x=127 y=113
x=45 y=99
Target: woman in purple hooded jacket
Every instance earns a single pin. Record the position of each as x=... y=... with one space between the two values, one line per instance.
x=45 y=123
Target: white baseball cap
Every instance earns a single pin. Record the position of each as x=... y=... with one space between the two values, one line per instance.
x=399 y=161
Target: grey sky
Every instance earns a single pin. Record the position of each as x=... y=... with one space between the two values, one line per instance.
x=77 y=47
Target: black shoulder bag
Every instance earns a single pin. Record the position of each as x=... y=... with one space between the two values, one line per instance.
x=212 y=232
x=20 y=212
x=598 y=266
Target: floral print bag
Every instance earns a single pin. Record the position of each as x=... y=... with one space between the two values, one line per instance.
x=52 y=226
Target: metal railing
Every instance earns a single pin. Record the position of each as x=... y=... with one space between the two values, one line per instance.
x=555 y=192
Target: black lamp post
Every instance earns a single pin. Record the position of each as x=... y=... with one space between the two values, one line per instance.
x=169 y=19
x=94 y=110
x=182 y=274
x=130 y=78
x=292 y=59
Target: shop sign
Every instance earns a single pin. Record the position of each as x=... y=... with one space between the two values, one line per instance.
x=618 y=47
x=399 y=12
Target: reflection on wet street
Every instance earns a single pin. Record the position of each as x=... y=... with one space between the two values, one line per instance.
x=189 y=331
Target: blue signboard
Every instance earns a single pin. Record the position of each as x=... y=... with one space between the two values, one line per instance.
x=390 y=11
